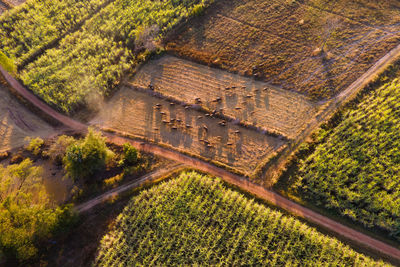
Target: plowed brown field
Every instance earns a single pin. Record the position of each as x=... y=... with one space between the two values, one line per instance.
x=17 y=122
x=186 y=130
x=253 y=102
x=279 y=40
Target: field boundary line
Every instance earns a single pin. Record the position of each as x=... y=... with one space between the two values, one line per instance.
x=150 y=177
x=353 y=236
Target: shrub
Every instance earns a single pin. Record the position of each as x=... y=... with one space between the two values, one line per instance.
x=129 y=156
x=84 y=158
x=34 y=145
x=57 y=150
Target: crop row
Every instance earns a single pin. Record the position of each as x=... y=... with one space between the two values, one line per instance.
x=356 y=170
x=88 y=63
x=196 y=220
x=28 y=28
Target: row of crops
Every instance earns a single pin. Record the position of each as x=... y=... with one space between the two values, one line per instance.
x=356 y=171
x=28 y=28
x=89 y=62
x=196 y=220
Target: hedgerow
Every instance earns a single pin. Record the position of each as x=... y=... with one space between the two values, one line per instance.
x=196 y=220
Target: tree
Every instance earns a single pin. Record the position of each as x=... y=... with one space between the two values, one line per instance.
x=129 y=155
x=27 y=216
x=84 y=158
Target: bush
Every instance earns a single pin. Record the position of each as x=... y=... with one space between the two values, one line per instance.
x=129 y=156
x=86 y=157
x=57 y=150
x=34 y=145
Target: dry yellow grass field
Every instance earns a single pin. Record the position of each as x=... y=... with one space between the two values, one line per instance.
x=252 y=102
x=186 y=130
x=317 y=47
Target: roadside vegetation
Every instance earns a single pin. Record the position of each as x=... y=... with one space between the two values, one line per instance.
x=196 y=220
x=89 y=63
x=353 y=167
x=31 y=214
x=28 y=217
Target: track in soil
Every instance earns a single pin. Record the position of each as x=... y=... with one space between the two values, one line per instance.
x=150 y=177
x=17 y=122
x=353 y=236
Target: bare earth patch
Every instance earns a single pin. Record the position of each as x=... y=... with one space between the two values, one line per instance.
x=17 y=122
x=186 y=130
x=250 y=101
x=315 y=47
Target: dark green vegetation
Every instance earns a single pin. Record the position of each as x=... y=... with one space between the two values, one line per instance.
x=86 y=157
x=89 y=61
x=355 y=169
x=196 y=220
x=32 y=214
x=89 y=157
x=27 y=215
x=28 y=28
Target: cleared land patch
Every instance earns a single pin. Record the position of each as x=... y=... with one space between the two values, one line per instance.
x=315 y=47
x=252 y=102
x=196 y=220
x=17 y=122
x=187 y=130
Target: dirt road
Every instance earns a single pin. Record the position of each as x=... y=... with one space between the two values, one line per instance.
x=18 y=122
x=39 y=104
x=353 y=236
x=345 y=96
x=150 y=177
x=338 y=229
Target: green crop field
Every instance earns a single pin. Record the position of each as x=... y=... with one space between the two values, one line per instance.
x=196 y=220
x=26 y=29
x=356 y=170
x=90 y=61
